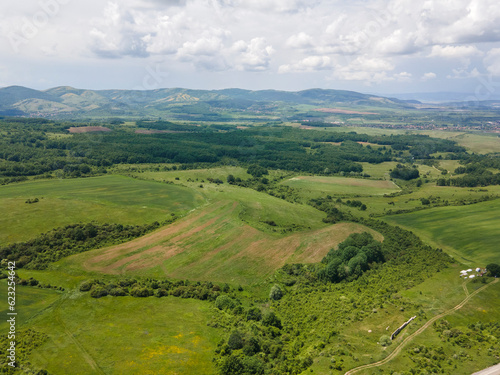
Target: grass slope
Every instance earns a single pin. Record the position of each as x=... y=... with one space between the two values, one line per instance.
x=125 y=336
x=113 y=199
x=216 y=244
x=470 y=233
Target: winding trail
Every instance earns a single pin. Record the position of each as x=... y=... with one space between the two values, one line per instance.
x=420 y=330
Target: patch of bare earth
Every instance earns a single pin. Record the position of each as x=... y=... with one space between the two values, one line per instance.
x=88 y=129
x=350 y=182
x=343 y=111
x=154 y=131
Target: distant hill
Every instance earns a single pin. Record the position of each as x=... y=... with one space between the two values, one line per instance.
x=67 y=101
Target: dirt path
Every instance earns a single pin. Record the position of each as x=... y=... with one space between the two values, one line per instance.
x=464 y=285
x=419 y=331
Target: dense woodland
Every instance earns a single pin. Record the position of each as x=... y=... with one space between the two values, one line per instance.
x=33 y=147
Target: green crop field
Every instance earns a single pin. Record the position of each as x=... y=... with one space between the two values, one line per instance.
x=112 y=199
x=470 y=233
x=119 y=335
x=341 y=185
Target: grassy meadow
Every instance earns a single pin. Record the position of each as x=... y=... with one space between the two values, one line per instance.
x=117 y=335
x=469 y=233
x=106 y=199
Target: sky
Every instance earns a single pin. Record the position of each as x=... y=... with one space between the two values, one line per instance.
x=374 y=46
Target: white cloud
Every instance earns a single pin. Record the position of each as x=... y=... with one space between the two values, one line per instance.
x=492 y=61
x=455 y=52
x=308 y=64
x=397 y=43
x=344 y=40
x=300 y=40
x=369 y=70
x=403 y=77
x=428 y=76
x=253 y=56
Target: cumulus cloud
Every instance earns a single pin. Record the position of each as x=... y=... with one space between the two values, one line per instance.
x=428 y=76
x=267 y=5
x=118 y=34
x=308 y=64
x=454 y=52
x=253 y=56
x=367 y=69
x=373 y=40
x=492 y=61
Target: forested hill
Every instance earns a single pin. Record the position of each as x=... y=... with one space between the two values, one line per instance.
x=68 y=101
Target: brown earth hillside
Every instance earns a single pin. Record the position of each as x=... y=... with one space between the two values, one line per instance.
x=213 y=244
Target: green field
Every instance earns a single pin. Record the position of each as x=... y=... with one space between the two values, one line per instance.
x=107 y=199
x=118 y=335
x=228 y=240
x=342 y=185
x=470 y=233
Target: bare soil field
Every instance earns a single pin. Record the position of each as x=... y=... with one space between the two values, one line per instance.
x=343 y=111
x=88 y=129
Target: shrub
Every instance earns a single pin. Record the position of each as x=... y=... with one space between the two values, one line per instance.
x=276 y=293
x=117 y=292
x=235 y=341
x=385 y=340
x=270 y=319
x=98 y=291
x=254 y=313
x=86 y=286
x=224 y=302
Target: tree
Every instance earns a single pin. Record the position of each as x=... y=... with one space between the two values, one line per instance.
x=224 y=302
x=254 y=313
x=230 y=179
x=385 y=340
x=235 y=341
x=232 y=365
x=493 y=269
x=276 y=293
x=270 y=319
x=257 y=171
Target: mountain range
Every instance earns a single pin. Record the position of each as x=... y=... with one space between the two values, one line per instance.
x=65 y=102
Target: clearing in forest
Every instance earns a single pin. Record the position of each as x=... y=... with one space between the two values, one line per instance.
x=342 y=185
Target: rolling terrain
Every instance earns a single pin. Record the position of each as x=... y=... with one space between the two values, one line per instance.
x=238 y=272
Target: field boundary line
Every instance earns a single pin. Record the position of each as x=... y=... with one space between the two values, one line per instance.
x=418 y=332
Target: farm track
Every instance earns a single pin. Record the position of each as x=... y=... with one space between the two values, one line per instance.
x=85 y=354
x=419 y=331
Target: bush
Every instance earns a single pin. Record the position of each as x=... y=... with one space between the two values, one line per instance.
x=142 y=292
x=86 y=286
x=224 y=302
x=235 y=341
x=98 y=292
x=385 y=340
x=270 y=319
x=276 y=293
x=254 y=313
x=117 y=292
x=493 y=269
x=232 y=365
